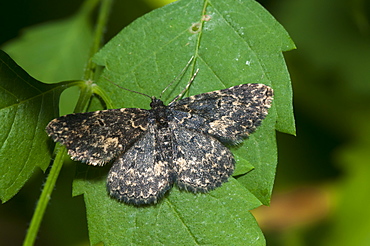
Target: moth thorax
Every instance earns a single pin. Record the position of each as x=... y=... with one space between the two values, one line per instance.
x=161 y=117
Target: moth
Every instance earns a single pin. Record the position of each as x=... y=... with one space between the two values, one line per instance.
x=180 y=143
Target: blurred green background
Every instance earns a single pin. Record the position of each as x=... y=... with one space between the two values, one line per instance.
x=322 y=190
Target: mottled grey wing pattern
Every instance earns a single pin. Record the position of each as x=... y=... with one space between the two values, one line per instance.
x=156 y=148
x=98 y=137
x=145 y=172
x=229 y=115
x=201 y=162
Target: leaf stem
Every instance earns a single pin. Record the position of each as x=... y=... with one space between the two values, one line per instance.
x=85 y=94
x=105 y=7
x=45 y=197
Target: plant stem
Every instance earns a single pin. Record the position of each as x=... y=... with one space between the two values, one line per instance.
x=85 y=94
x=105 y=7
x=45 y=197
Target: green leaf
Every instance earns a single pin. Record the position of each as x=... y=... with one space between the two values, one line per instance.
x=26 y=106
x=260 y=150
x=220 y=217
x=233 y=42
x=54 y=51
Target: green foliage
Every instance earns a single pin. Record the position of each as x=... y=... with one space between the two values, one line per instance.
x=232 y=43
x=164 y=44
x=218 y=218
x=26 y=106
x=332 y=94
x=45 y=50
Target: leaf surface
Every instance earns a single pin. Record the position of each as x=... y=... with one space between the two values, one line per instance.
x=233 y=42
x=26 y=106
x=54 y=51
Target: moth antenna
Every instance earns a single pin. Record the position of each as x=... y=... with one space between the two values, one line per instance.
x=180 y=74
x=126 y=88
x=186 y=88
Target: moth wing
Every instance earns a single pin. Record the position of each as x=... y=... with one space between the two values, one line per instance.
x=144 y=173
x=97 y=137
x=201 y=162
x=229 y=115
